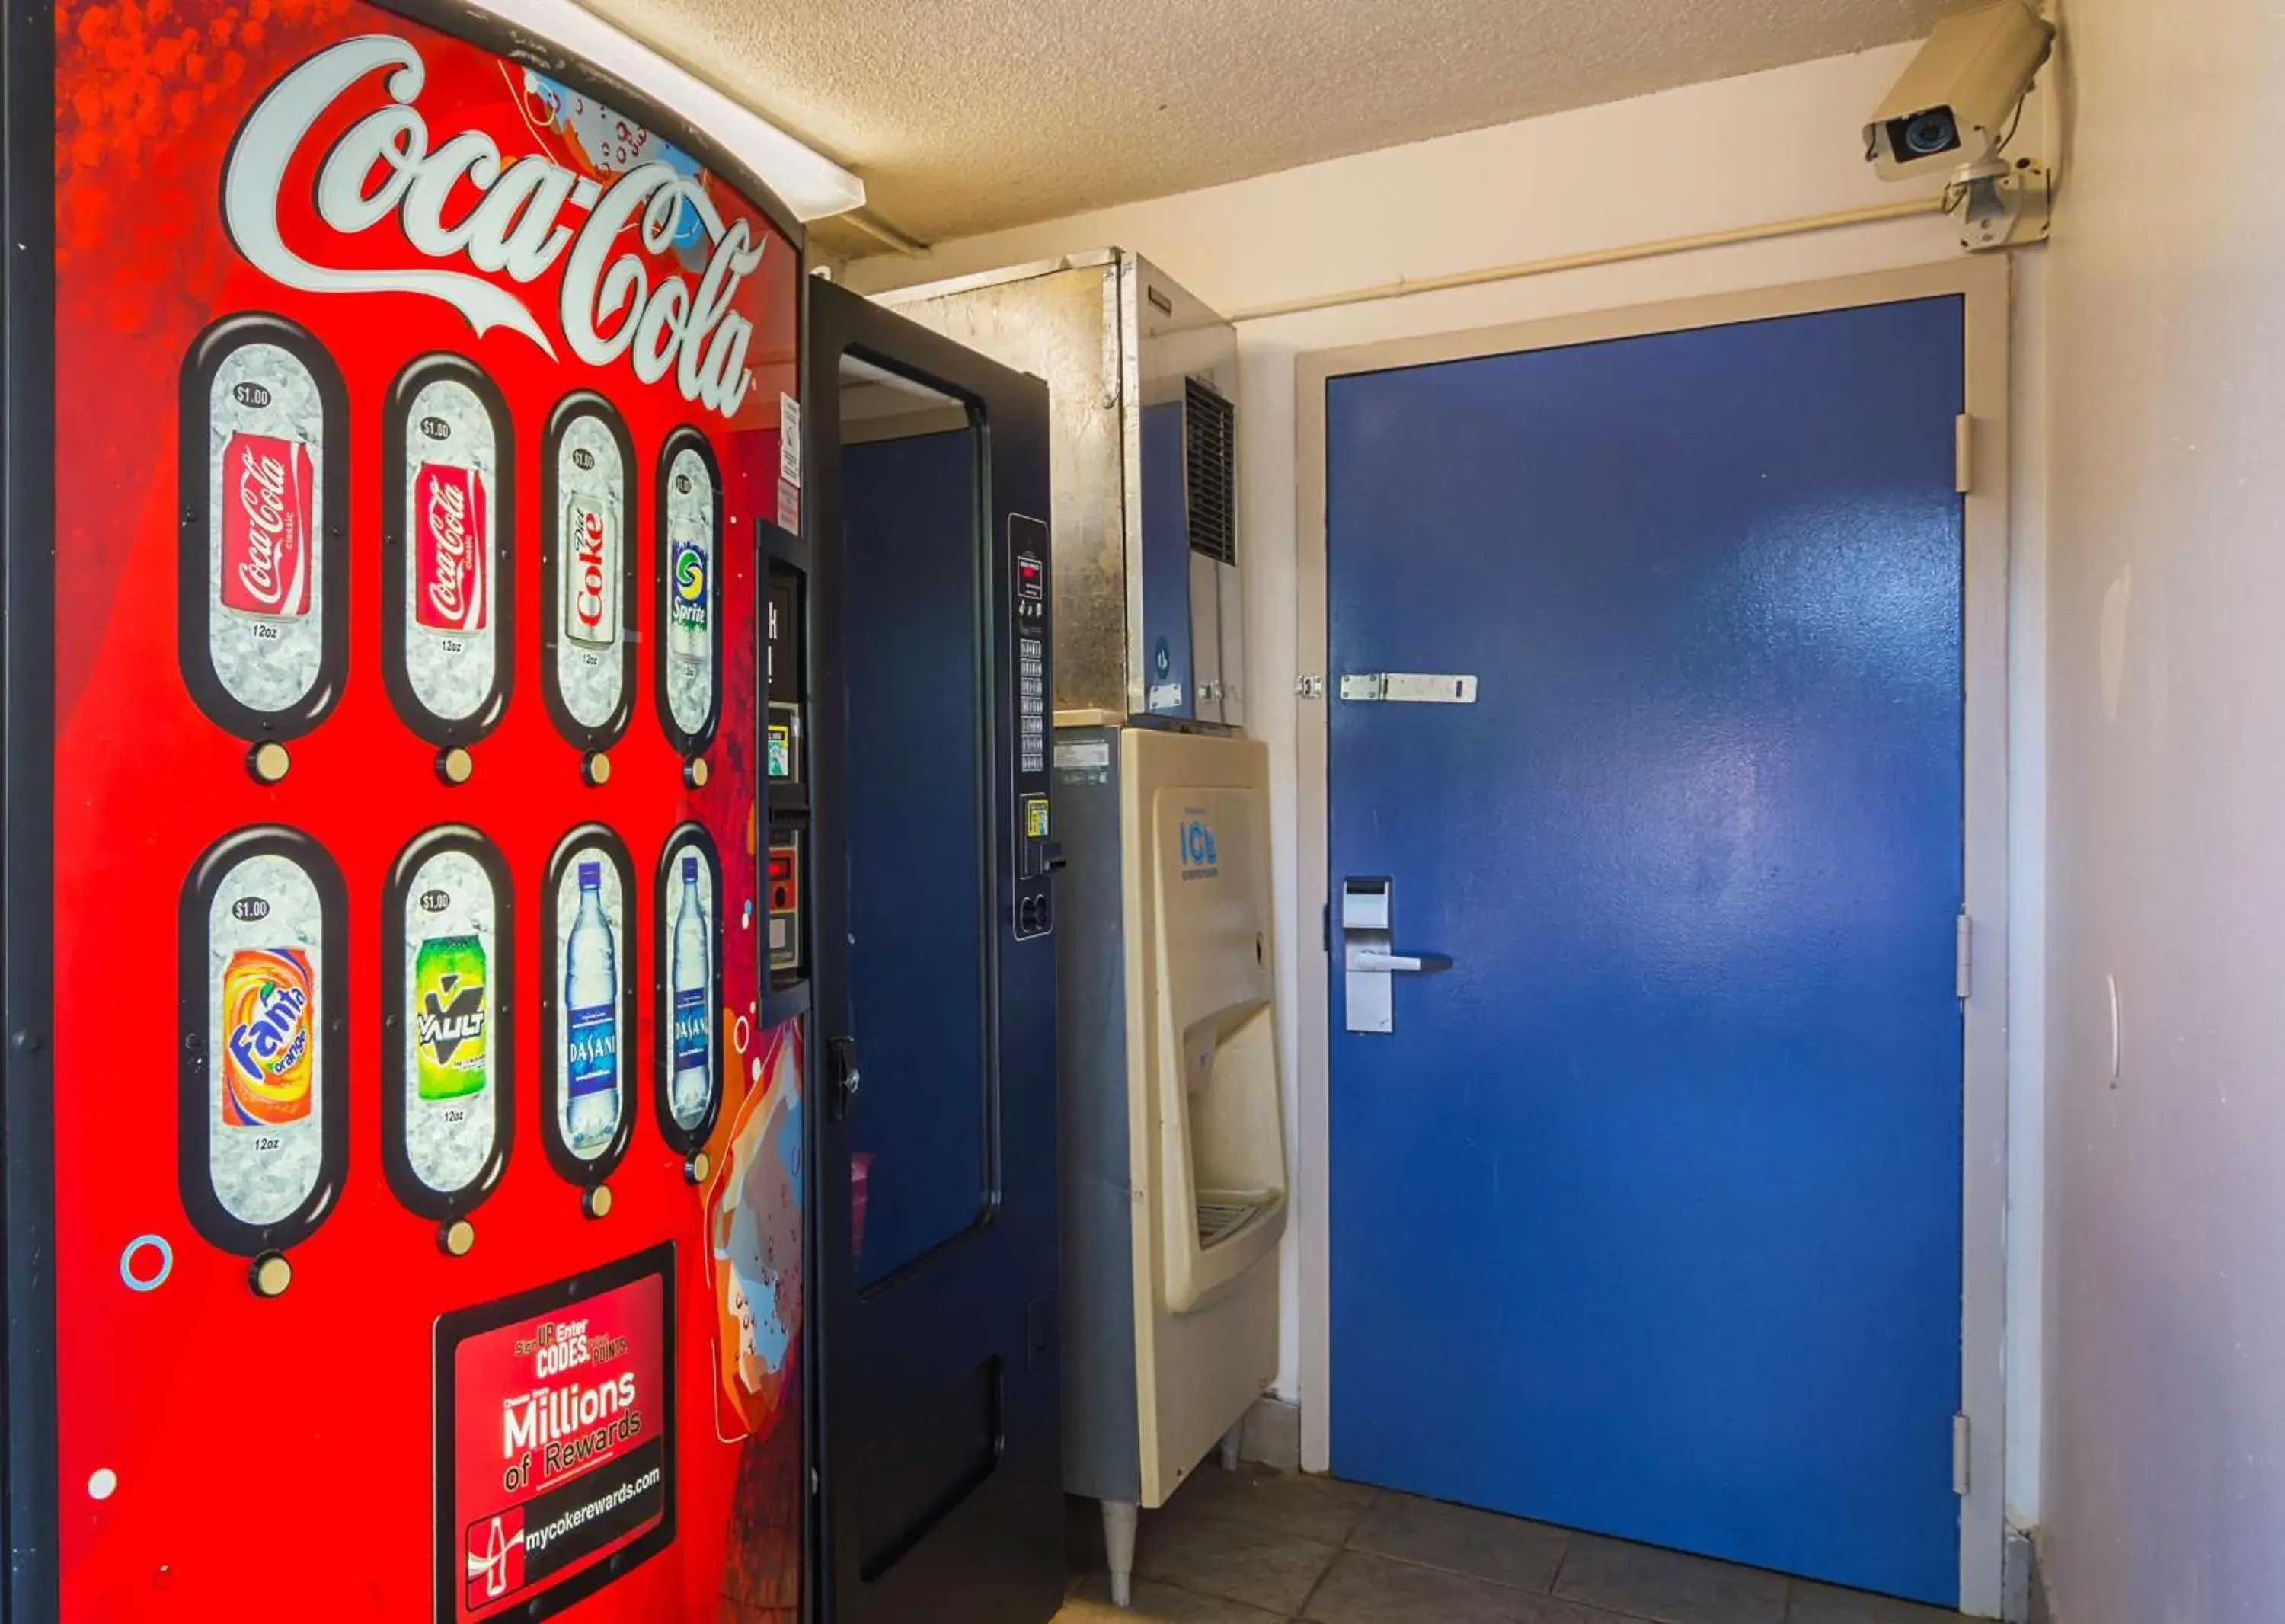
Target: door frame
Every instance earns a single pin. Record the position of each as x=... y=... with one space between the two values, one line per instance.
x=1982 y=285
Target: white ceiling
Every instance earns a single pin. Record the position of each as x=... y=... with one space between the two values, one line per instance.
x=969 y=115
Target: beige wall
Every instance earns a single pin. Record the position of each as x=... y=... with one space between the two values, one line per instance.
x=2165 y=1465
x=1763 y=148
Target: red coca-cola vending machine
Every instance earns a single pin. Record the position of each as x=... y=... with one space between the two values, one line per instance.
x=405 y=953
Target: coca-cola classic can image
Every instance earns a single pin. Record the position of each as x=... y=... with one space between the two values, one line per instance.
x=447 y=548
x=263 y=583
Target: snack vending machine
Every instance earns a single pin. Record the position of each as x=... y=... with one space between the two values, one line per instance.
x=406 y=814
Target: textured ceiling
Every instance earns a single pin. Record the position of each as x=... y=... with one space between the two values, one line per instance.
x=969 y=115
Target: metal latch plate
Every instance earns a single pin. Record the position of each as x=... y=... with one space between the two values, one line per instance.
x=1411 y=687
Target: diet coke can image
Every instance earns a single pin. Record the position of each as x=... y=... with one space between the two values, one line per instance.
x=687 y=501
x=587 y=569
x=264 y=1131
x=263 y=580
x=448 y=448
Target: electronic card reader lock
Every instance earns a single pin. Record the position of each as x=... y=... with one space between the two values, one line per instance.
x=1366 y=925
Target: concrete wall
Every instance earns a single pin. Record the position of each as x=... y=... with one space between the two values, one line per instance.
x=1762 y=148
x=2165 y=1431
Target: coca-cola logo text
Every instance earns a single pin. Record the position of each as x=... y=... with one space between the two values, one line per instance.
x=448 y=534
x=508 y=218
x=270 y=549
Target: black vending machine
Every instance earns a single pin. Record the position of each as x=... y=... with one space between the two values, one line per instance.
x=937 y=1420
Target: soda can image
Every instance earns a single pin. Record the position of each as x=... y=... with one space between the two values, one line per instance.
x=588 y=559
x=267 y=998
x=448 y=526
x=267 y=508
x=688 y=512
x=590 y=534
x=452 y=1011
x=261 y=1125
x=451 y=548
x=262 y=573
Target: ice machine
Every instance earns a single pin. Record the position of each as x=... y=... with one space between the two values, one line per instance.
x=1143 y=380
x=1174 y=1180
x=1173 y=1167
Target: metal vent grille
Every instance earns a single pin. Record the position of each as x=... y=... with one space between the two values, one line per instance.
x=1219 y=1219
x=1211 y=425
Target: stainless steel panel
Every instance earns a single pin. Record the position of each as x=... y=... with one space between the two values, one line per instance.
x=1109 y=332
x=1230 y=597
x=1205 y=640
x=1060 y=321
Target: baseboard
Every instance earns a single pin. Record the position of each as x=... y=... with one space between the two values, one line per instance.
x=2042 y=1598
x=1273 y=1434
x=2018 y=1557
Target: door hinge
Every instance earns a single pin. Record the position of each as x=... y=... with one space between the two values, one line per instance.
x=1309 y=688
x=1963 y=957
x=1963 y=453
x=1959 y=1455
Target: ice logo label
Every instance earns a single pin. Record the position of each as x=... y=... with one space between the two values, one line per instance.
x=589 y=616
x=448 y=547
x=265 y=1000
x=385 y=167
x=451 y=1009
x=1194 y=836
x=591 y=1022
x=266 y=527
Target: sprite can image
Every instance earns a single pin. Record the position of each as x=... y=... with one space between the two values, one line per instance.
x=451 y=1007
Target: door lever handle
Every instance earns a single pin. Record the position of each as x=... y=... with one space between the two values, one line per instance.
x=1400 y=964
x=844 y=1076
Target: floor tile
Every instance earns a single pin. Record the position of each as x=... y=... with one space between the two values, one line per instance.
x=1314 y=1508
x=1481 y=1544
x=1235 y=1561
x=1552 y=1611
x=1156 y=1604
x=1363 y=1589
x=1667 y=1586
x=1819 y=1604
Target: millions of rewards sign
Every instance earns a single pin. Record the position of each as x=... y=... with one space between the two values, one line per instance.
x=559 y=1452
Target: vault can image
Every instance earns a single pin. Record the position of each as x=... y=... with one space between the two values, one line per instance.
x=451 y=1009
x=266 y=997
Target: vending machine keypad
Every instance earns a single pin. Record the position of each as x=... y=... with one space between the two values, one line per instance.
x=1034 y=818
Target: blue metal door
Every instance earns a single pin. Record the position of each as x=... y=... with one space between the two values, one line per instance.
x=1646 y=1215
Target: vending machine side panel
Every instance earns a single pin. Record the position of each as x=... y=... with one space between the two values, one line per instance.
x=405 y=1055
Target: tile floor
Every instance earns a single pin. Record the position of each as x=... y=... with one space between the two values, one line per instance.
x=1262 y=1547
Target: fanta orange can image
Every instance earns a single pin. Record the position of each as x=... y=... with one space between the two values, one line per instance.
x=266 y=998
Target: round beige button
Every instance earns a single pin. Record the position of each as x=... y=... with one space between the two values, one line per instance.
x=596 y=769
x=696 y=1169
x=456 y=765
x=270 y=1275
x=457 y=1237
x=267 y=762
x=595 y=1200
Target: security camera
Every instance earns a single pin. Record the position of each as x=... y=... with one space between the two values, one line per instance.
x=1951 y=107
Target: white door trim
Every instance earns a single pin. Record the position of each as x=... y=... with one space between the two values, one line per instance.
x=1983 y=285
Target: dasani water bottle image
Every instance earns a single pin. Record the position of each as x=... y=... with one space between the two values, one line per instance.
x=688 y=972
x=591 y=1022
